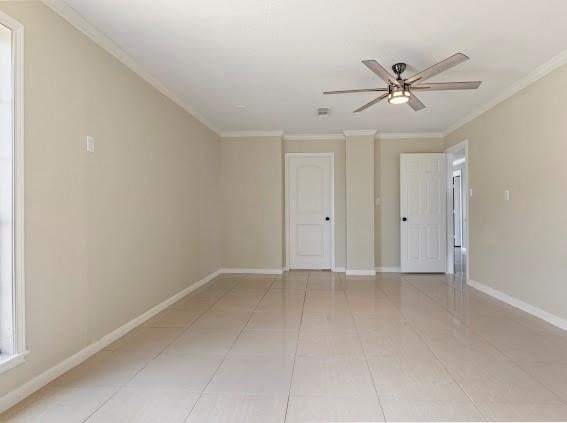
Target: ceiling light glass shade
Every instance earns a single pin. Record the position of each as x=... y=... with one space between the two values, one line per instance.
x=399 y=97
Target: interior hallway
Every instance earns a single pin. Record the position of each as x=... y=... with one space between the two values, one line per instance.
x=309 y=346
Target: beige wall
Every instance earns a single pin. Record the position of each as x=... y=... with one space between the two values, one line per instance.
x=387 y=189
x=519 y=246
x=108 y=235
x=338 y=147
x=252 y=202
x=360 y=202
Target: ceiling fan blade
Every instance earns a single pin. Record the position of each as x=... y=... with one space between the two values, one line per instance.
x=415 y=103
x=442 y=86
x=364 y=90
x=372 y=103
x=442 y=66
x=377 y=68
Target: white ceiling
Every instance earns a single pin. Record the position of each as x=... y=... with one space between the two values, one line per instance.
x=275 y=57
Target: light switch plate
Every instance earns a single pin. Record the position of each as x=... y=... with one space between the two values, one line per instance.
x=90 y=144
x=507 y=195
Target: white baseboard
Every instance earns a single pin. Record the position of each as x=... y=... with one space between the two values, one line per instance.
x=334 y=269
x=528 y=308
x=28 y=388
x=388 y=270
x=277 y=271
x=361 y=272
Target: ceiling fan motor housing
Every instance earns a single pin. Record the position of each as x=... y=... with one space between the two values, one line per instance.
x=398 y=69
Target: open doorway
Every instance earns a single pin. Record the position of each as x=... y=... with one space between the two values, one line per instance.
x=457 y=210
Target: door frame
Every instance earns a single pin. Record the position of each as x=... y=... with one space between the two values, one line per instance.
x=465 y=191
x=330 y=155
x=458 y=174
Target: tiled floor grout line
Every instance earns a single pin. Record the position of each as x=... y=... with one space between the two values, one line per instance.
x=441 y=305
x=448 y=372
x=451 y=314
x=364 y=354
x=518 y=365
x=162 y=350
x=487 y=340
x=421 y=337
x=227 y=351
x=296 y=347
x=109 y=398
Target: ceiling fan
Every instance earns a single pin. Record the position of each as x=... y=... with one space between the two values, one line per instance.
x=402 y=90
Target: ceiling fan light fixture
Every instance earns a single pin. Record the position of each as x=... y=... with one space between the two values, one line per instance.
x=399 y=96
x=401 y=90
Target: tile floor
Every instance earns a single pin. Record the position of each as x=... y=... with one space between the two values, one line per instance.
x=316 y=346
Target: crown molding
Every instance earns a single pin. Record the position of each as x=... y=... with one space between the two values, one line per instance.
x=332 y=136
x=251 y=134
x=406 y=135
x=314 y=137
x=359 y=133
x=532 y=77
x=70 y=15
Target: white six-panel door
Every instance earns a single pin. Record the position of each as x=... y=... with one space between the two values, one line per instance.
x=423 y=212
x=310 y=211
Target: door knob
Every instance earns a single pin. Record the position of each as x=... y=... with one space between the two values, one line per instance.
x=404 y=219
x=327 y=218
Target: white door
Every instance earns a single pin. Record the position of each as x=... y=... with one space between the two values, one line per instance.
x=309 y=208
x=423 y=213
x=457 y=211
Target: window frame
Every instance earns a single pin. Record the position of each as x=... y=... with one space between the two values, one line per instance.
x=19 y=349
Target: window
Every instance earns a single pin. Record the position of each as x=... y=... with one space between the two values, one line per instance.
x=12 y=298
